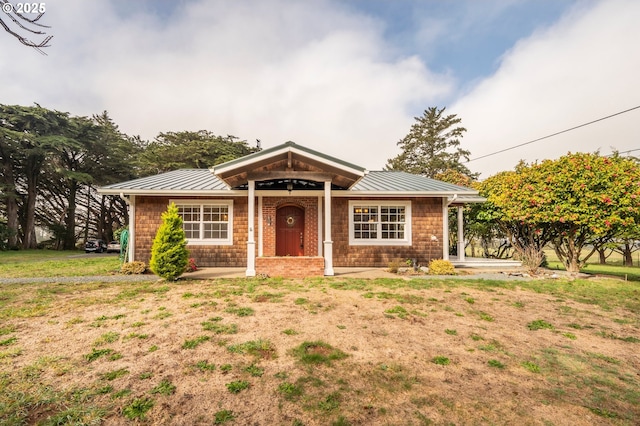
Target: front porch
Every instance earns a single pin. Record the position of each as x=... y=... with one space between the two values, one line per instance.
x=477 y=269
x=480 y=262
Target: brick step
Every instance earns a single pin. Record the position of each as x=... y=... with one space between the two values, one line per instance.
x=290 y=266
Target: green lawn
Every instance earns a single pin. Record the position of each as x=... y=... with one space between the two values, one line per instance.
x=631 y=273
x=50 y=263
x=612 y=268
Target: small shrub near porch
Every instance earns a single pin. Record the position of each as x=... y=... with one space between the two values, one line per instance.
x=441 y=267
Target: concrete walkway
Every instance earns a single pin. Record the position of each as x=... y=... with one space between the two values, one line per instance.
x=208 y=273
x=213 y=273
x=485 y=273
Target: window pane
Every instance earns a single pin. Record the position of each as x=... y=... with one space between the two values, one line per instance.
x=365 y=213
x=365 y=231
x=212 y=219
x=216 y=230
x=189 y=213
x=191 y=230
x=371 y=222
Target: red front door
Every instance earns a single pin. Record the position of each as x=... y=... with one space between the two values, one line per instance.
x=290 y=231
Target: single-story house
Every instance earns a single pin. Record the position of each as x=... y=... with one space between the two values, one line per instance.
x=292 y=211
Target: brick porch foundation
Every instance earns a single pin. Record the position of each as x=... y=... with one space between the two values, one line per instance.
x=290 y=266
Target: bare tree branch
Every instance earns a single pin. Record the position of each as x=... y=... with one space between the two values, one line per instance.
x=23 y=22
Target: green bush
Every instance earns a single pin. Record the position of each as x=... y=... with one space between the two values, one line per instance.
x=133 y=268
x=169 y=254
x=441 y=267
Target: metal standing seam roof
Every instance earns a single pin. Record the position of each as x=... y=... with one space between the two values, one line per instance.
x=176 y=180
x=393 y=181
x=202 y=180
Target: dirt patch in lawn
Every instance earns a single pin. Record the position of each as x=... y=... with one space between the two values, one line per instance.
x=224 y=352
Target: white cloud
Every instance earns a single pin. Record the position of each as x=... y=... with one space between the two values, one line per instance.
x=312 y=72
x=583 y=68
x=322 y=74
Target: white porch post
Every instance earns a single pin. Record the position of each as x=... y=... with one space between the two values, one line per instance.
x=328 y=243
x=445 y=229
x=320 y=219
x=132 y=228
x=260 y=227
x=461 y=233
x=251 y=242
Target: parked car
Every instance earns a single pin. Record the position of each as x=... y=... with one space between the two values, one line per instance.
x=97 y=246
x=113 y=247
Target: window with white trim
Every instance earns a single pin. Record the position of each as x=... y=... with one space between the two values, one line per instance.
x=379 y=222
x=207 y=222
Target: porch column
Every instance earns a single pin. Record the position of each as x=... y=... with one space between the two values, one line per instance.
x=260 y=228
x=132 y=229
x=320 y=219
x=445 y=229
x=328 y=243
x=461 y=233
x=251 y=242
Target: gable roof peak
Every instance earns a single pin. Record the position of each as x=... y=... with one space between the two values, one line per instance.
x=293 y=157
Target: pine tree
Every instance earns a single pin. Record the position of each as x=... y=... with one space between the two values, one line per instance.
x=432 y=146
x=169 y=255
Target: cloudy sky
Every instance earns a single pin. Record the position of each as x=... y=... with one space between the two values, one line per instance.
x=346 y=77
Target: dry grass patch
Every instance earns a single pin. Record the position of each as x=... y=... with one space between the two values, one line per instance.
x=320 y=351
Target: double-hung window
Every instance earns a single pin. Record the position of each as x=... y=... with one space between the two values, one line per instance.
x=207 y=222
x=379 y=222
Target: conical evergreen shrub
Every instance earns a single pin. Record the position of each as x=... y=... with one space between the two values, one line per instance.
x=169 y=254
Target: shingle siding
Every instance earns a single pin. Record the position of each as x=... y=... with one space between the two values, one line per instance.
x=426 y=220
x=148 y=220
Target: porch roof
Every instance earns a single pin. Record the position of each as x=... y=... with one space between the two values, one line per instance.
x=285 y=161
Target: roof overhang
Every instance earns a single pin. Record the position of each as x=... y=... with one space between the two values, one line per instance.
x=173 y=192
x=457 y=200
x=288 y=161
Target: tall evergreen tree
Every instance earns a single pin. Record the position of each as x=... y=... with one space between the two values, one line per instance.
x=432 y=146
x=198 y=150
x=25 y=145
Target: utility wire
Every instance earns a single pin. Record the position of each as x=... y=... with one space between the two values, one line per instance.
x=553 y=134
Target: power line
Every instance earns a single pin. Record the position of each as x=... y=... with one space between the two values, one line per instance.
x=554 y=134
x=625 y=152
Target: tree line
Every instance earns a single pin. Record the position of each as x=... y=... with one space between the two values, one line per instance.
x=51 y=162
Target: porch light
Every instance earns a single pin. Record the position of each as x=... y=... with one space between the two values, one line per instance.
x=289 y=187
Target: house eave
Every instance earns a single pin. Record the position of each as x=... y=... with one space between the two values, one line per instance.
x=171 y=193
x=461 y=199
x=287 y=147
x=471 y=197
